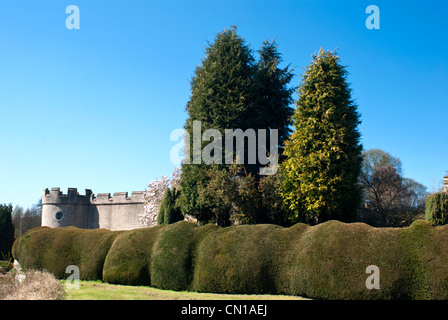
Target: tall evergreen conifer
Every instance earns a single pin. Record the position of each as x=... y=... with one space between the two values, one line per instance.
x=222 y=97
x=274 y=95
x=230 y=90
x=324 y=151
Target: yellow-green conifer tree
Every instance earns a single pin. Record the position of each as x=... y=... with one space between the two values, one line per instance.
x=323 y=154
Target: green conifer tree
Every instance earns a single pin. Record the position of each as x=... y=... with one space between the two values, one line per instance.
x=273 y=93
x=169 y=211
x=222 y=97
x=230 y=90
x=324 y=151
x=6 y=231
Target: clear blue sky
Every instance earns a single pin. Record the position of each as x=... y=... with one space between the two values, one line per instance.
x=94 y=107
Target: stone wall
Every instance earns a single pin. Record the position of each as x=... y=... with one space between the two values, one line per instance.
x=119 y=212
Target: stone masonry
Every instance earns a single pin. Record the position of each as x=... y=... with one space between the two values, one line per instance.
x=88 y=211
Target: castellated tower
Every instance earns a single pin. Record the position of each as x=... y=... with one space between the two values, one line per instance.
x=60 y=210
x=119 y=212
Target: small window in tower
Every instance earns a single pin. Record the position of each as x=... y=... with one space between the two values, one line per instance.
x=58 y=216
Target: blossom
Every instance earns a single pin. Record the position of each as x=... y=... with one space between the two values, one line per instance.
x=153 y=197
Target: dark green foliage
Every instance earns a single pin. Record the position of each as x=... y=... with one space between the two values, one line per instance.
x=327 y=261
x=230 y=90
x=161 y=256
x=55 y=249
x=170 y=211
x=437 y=208
x=128 y=260
x=274 y=96
x=273 y=209
x=237 y=197
x=415 y=244
x=434 y=259
x=240 y=259
x=171 y=261
x=218 y=195
x=222 y=92
x=222 y=97
x=194 y=177
x=6 y=231
x=323 y=154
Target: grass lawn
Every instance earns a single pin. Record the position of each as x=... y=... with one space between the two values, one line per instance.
x=96 y=290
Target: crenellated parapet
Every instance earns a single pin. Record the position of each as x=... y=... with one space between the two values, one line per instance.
x=119 y=198
x=55 y=196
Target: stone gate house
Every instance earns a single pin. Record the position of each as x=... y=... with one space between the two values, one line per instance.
x=88 y=211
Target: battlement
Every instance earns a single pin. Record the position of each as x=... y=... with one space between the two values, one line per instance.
x=55 y=196
x=119 y=198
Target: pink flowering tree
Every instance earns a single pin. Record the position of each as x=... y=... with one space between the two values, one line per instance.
x=154 y=195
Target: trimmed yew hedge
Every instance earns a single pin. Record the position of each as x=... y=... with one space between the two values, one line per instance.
x=53 y=250
x=327 y=261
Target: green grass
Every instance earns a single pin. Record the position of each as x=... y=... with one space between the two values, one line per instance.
x=97 y=290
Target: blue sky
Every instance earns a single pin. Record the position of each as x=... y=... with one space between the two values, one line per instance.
x=94 y=108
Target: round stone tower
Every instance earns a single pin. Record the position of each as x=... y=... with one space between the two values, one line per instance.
x=63 y=210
